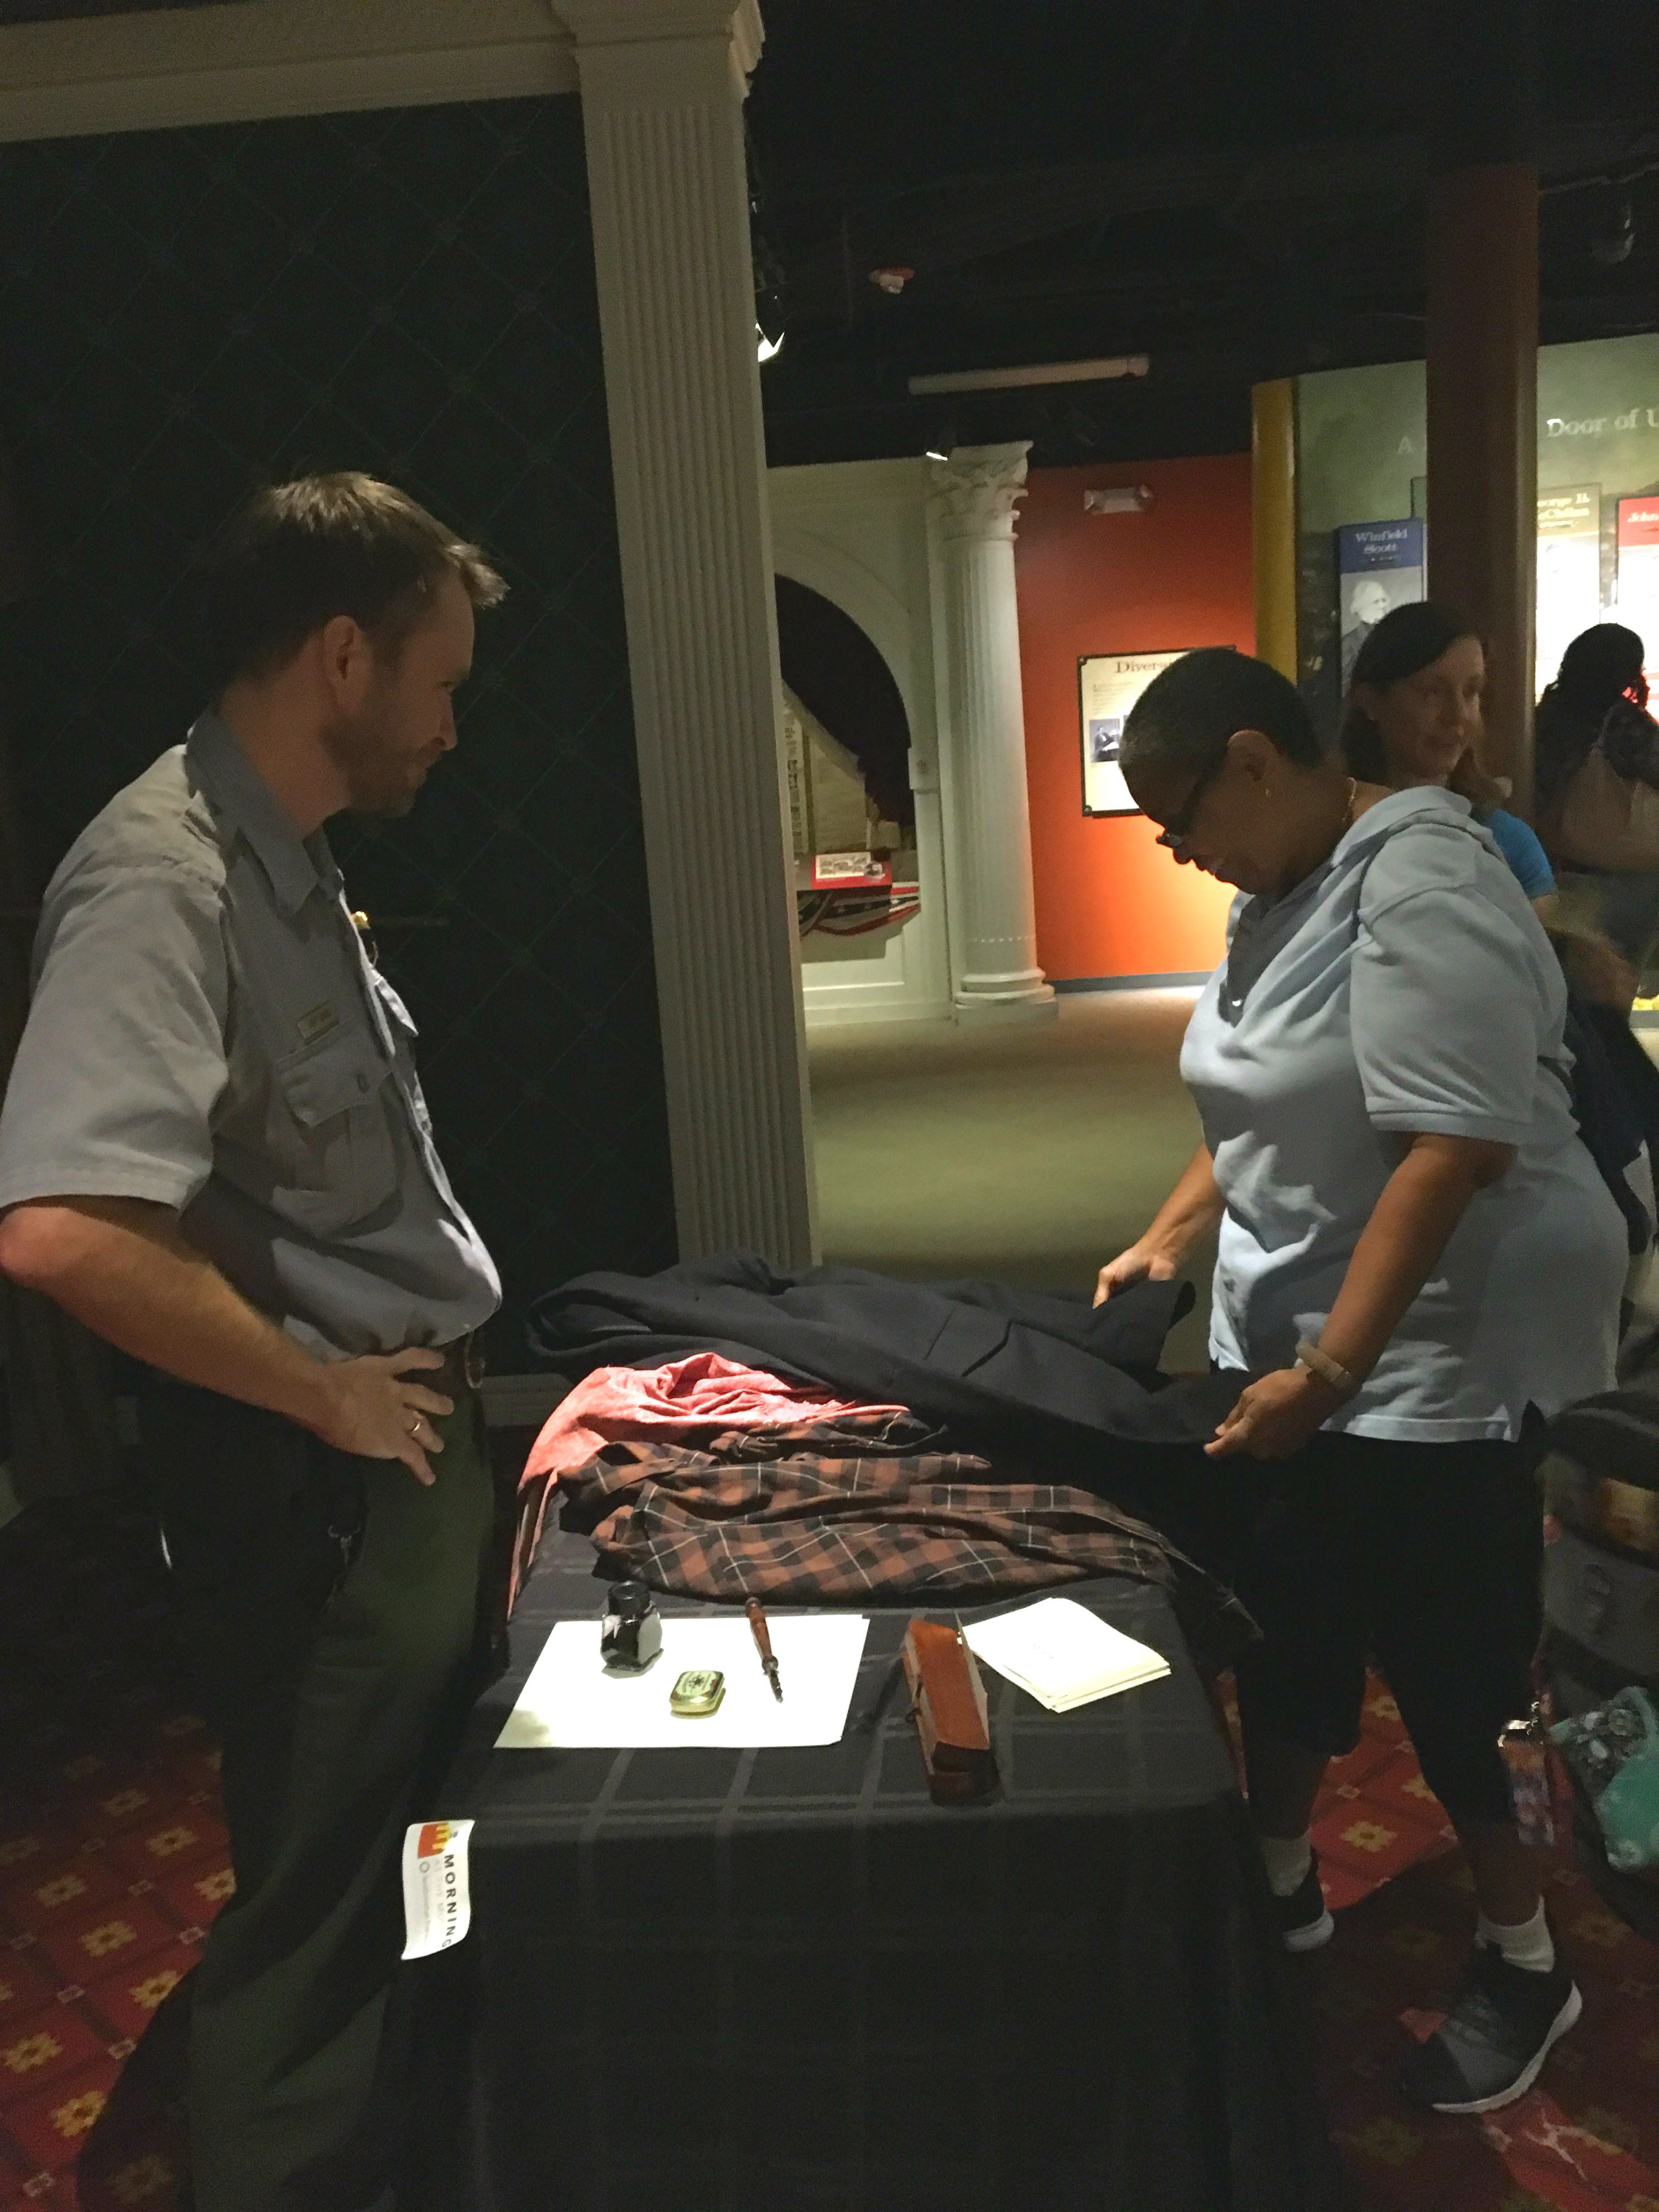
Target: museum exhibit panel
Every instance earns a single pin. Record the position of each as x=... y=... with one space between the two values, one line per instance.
x=1361 y=471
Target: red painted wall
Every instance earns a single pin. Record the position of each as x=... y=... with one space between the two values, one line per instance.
x=1108 y=900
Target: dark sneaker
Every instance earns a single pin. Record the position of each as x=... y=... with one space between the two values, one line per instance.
x=1304 y=1918
x=1491 y=2045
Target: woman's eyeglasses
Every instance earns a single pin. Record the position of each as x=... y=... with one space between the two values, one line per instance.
x=1181 y=828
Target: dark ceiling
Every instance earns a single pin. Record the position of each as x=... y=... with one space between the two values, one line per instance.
x=1236 y=191
x=1233 y=188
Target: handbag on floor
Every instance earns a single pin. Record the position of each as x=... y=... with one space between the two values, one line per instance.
x=1601 y=1478
x=1614 y=1753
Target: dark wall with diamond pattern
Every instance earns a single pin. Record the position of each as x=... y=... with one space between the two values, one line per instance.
x=184 y=313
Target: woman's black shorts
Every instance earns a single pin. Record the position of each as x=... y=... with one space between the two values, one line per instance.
x=1424 y=1558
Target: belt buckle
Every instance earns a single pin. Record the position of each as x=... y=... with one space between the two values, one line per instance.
x=472 y=1361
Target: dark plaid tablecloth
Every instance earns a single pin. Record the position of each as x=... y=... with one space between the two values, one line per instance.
x=724 y=1981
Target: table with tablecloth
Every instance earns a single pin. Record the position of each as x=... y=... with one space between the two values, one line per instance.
x=706 y=1980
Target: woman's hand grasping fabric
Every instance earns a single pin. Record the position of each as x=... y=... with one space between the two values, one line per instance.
x=1141 y=1263
x=1276 y=1416
x=1192 y=1208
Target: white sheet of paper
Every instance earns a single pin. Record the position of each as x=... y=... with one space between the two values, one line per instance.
x=570 y=1703
x=1063 y=1654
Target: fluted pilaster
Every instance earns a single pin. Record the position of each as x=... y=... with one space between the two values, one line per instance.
x=663 y=84
x=975 y=492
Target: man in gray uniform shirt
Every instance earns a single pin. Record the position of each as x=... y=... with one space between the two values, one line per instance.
x=215 y=1152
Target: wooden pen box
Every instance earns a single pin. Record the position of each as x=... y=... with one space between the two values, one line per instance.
x=947 y=1702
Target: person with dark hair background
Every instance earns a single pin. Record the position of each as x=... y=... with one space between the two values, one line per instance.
x=1592 y=723
x=1413 y=716
x=215 y=1152
x=1391 y=1156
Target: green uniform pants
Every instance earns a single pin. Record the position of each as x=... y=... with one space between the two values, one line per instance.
x=332 y=1609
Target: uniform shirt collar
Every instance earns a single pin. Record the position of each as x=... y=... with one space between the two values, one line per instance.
x=1417 y=800
x=295 y=865
x=1359 y=843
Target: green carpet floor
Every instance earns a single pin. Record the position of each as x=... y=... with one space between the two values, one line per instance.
x=1031 y=1153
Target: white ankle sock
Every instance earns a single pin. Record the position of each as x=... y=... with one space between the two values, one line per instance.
x=1528 y=1944
x=1287 y=1859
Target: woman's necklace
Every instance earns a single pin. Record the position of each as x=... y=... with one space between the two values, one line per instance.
x=1349 y=808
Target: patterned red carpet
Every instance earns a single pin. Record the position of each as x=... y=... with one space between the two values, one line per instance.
x=112 y=1857
x=113 y=1863
x=1587 y=2138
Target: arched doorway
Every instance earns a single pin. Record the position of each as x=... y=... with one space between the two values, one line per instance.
x=856 y=647
x=878 y=954
x=835 y=671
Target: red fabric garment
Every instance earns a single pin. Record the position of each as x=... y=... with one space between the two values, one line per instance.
x=621 y=1405
x=686 y=1402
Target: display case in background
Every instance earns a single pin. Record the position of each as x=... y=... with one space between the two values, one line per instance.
x=1361 y=452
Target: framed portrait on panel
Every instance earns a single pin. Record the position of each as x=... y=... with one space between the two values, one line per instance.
x=1107 y=685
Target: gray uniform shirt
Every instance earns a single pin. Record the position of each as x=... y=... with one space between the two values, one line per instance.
x=207 y=1034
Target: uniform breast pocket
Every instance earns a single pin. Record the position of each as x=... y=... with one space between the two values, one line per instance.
x=401 y=1023
x=340 y=1146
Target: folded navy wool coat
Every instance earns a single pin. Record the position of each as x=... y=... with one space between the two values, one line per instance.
x=1054 y=1383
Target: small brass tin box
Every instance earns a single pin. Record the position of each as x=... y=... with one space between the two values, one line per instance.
x=697 y=1693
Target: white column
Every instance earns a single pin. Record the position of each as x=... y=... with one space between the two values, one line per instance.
x=990 y=893
x=663 y=84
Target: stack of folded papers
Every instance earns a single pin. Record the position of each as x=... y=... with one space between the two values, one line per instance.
x=1063 y=1654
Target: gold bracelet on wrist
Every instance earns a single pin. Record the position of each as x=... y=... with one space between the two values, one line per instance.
x=1320 y=1363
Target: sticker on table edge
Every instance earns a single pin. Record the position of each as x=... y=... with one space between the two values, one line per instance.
x=437 y=1893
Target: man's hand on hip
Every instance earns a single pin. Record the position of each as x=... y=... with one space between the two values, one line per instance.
x=377 y=1408
x=125 y=1269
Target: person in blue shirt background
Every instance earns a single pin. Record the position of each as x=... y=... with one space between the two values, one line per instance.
x=1519 y=845
x=1413 y=720
x=1413 y=717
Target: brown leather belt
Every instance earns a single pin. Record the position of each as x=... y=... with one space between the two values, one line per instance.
x=463 y=1369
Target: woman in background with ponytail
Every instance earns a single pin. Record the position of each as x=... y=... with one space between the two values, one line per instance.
x=1597 y=751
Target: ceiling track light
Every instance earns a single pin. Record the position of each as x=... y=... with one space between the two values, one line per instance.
x=1050 y=372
